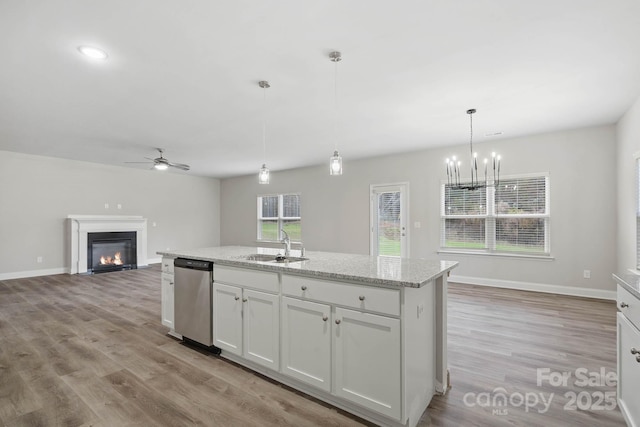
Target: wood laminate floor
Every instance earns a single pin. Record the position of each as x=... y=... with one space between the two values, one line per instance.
x=90 y=351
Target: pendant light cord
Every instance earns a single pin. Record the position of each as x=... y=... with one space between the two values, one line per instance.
x=471 y=134
x=264 y=126
x=335 y=105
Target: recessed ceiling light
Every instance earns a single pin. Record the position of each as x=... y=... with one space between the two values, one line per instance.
x=92 y=52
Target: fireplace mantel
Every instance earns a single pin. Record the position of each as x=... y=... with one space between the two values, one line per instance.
x=81 y=225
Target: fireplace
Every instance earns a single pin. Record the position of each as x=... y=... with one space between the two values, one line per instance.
x=111 y=251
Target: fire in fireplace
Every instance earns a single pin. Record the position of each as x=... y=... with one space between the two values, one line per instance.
x=111 y=251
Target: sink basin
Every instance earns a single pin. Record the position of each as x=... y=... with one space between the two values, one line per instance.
x=274 y=258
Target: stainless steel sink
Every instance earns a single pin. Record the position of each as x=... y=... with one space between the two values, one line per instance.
x=274 y=258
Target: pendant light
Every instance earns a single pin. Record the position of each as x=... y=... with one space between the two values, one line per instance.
x=263 y=175
x=335 y=161
x=454 y=165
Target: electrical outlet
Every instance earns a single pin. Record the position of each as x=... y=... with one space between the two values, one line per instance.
x=420 y=310
x=39 y=259
x=119 y=206
x=587 y=274
x=153 y=224
x=417 y=224
x=106 y=205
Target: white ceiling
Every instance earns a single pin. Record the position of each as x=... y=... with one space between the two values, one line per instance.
x=183 y=75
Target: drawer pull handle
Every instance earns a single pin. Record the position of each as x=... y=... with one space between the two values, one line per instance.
x=338 y=321
x=171 y=283
x=304 y=288
x=244 y=300
x=634 y=351
x=624 y=305
x=237 y=298
x=325 y=318
x=361 y=297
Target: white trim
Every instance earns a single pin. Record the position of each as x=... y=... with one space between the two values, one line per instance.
x=497 y=254
x=536 y=287
x=33 y=273
x=81 y=225
x=154 y=260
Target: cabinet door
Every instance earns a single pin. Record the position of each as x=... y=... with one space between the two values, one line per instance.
x=628 y=370
x=367 y=360
x=261 y=328
x=306 y=342
x=227 y=318
x=166 y=306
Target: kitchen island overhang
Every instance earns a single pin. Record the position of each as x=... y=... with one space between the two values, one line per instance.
x=383 y=321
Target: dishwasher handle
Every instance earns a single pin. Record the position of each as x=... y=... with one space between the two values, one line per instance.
x=193 y=264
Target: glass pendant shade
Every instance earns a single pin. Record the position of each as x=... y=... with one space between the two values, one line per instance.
x=335 y=164
x=263 y=175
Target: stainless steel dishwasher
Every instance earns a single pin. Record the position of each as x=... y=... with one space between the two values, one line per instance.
x=193 y=284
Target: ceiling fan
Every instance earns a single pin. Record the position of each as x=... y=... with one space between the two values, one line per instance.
x=160 y=163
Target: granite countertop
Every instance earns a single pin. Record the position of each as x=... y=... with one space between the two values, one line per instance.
x=629 y=281
x=377 y=271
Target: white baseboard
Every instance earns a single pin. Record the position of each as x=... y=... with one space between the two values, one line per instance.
x=154 y=260
x=33 y=273
x=536 y=287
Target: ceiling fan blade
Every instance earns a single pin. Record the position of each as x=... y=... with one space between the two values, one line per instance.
x=140 y=163
x=179 y=166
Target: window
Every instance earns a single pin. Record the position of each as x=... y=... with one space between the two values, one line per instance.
x=513 y=217
x=638 y=214
x=277 y=212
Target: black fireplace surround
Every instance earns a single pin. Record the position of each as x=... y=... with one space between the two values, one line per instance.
x=111 y=251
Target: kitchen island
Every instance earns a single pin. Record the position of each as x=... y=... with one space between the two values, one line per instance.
x=366 y=334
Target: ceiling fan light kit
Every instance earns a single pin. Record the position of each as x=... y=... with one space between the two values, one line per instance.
x=161 y=164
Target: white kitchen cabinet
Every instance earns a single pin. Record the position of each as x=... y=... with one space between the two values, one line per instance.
x=227 y=318
x=367 y=360
x=629 y=356
x=246 y=323
x=261 y=327
x=167 y=295
x=167 y=298
x=628 y=370
x=306 y=342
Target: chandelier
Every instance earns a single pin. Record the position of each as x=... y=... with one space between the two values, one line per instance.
x=454 y=165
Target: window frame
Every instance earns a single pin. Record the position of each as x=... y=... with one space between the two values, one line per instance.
x=637 y=167
x=280 y=218
x=491 y=218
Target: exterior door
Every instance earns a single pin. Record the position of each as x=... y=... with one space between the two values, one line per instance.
x=389 y=232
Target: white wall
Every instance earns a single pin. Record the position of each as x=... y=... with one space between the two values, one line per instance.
x=37 y=193
x=335 y=210
x=628 y=138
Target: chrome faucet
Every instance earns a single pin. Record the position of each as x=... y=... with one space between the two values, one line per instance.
x=287 y=244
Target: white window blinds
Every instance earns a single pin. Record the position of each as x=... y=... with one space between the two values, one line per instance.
x=513 y=217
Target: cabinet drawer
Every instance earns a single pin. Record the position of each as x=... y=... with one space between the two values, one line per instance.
x=356 y=296
x=262 y=280
x=629 y=305
x=167 y=265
